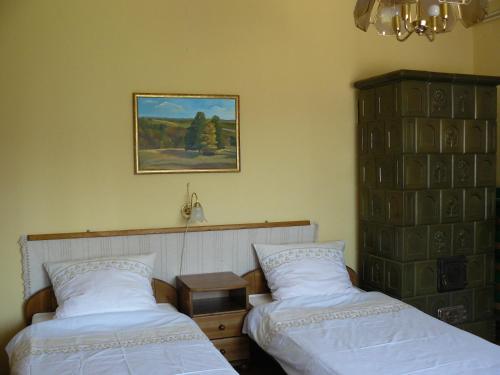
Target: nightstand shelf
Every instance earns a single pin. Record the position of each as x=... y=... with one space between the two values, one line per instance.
x=218 y=303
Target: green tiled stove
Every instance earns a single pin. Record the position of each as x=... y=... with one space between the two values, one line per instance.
x=497 y=268
x=426 y=157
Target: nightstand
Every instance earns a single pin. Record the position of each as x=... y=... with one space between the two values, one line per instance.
x=218 y=303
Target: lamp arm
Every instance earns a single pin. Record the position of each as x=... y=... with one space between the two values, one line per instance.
x=193 y=196
x=190 y=205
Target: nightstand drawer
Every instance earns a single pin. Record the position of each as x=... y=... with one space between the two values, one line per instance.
x=234 y=348
x=221 y=325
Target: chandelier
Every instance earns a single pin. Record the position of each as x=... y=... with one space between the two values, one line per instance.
x=403 y=18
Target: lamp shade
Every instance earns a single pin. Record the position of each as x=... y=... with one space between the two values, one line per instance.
x=197 y=214
x=384 y=20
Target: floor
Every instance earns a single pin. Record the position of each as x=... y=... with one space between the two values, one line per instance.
x=260 y=363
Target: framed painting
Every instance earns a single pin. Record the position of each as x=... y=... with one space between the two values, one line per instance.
x=178 y=133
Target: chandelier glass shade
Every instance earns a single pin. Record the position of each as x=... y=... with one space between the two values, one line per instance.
x=403 y=18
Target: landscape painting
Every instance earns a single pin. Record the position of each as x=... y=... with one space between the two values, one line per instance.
x=186 y=133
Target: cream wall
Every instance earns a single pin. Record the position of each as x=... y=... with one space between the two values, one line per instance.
x=487 y=60
x=67 y=74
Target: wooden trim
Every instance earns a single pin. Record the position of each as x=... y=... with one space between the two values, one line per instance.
x=42 y=301
x=45 y=301
x=257 y=283
x=140 y=232
x=418 y=75
x=492 y=16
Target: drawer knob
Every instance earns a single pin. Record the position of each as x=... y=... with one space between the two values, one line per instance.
x=222 y=327
x=223 y=351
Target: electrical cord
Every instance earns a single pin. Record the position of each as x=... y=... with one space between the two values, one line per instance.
x=183 y=247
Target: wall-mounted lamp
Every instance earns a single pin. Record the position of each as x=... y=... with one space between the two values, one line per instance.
x=192 y=210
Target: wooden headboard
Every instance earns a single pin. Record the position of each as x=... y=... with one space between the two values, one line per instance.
x=207 y=249
x=45 y=300
x=257 y=283
x=212 y=248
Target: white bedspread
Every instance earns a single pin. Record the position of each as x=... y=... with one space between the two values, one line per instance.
x=366 y=333
x=132 y=343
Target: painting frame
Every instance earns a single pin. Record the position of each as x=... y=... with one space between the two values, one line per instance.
x=229 y=162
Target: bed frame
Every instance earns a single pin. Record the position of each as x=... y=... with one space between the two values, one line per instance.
x=257 y=283
x=45 y=300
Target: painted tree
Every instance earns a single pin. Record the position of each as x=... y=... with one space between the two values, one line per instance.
x=221 y=142
x=208 y=138
x=193 y=133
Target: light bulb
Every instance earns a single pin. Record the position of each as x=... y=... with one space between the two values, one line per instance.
x=437 y=11
x=433 y=10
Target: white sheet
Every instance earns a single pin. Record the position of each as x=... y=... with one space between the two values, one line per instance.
x=365 y=333
x=133 y=343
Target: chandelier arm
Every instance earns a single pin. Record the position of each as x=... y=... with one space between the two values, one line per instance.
x=402 y=39
x=431 y=36
x=409 y=30
x=445 y=25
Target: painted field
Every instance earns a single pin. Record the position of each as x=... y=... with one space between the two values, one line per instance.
x=179 y=159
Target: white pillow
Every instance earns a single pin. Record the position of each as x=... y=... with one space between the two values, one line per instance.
x=100 y=285
x=255 y=300
x=306 y=269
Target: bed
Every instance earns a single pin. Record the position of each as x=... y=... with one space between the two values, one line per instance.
x=362 y=333
x=157 y=341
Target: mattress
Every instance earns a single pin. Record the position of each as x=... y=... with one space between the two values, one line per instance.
x=365 y=333
x=159 y=341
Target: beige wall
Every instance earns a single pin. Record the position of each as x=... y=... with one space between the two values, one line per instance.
x=68 y=71
x=487 y=60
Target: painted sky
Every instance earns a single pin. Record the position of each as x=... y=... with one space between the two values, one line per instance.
x=186 y=107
